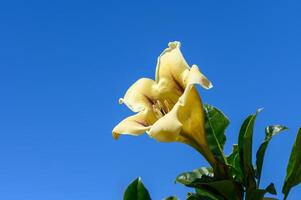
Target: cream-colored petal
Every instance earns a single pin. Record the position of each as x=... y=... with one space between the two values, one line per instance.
x=133 y=125
x=191 y=115
x=171 y=69
x=196 y=77
x=167 y=128
x=141 y=95
x=171 y=62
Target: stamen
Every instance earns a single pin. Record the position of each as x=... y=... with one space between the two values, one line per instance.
x=157 y=111
x=167 y=105
x=161 y=107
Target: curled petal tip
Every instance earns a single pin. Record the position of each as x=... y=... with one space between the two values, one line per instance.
x=120 y=101
x=196 y=77
x=205 y=83
x=115 y=135
x=174 y=44
x=209 y=86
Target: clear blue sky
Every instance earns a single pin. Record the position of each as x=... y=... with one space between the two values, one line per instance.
x=64 y=64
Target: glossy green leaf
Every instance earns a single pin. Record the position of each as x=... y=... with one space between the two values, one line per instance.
x=234 y=164
x=270 y=131
x=206 y=194
x=215 y=125
x=226 y=188
x=245 y=141
x=197 y=176
x=193 y=196
x=203 y=179
x=234 y=156
x=293 y=171
x=136 y=191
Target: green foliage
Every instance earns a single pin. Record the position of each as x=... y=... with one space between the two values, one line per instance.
x=245 y=140
x=249 y=175
x=193 y=196
x=136 y=191
x=207 y=194
x=215 y=125
x=241 y=179
x=196 y=177
x=203 y=180
x=234 y=164
x=258 y=194
x=270 y=131
x=293 y=171
x=271 y=189
x=241 y=174
x=226 y=188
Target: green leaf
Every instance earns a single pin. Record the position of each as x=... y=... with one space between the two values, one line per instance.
x=234 y=164
x=215 y=125
x=226 y=188
x=136 y=191
x=271 y=189
x=203 y=179
x=206 y=194
x=270 y=131
x=171 y=198
x=293 y=171
x=258 y=194
x=192 y=196
x=194 y=178
x=245 y=141
x=232 y=158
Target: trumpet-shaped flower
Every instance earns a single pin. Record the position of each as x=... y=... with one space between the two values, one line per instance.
x=168 y=108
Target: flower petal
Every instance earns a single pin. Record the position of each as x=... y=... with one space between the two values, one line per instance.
x=141 y=95
x=133 y=125
x=191 y=115
x=167 y=128
x=196 y=77
x=171 y=69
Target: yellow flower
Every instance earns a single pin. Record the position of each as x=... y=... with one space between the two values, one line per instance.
x=168 y=109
